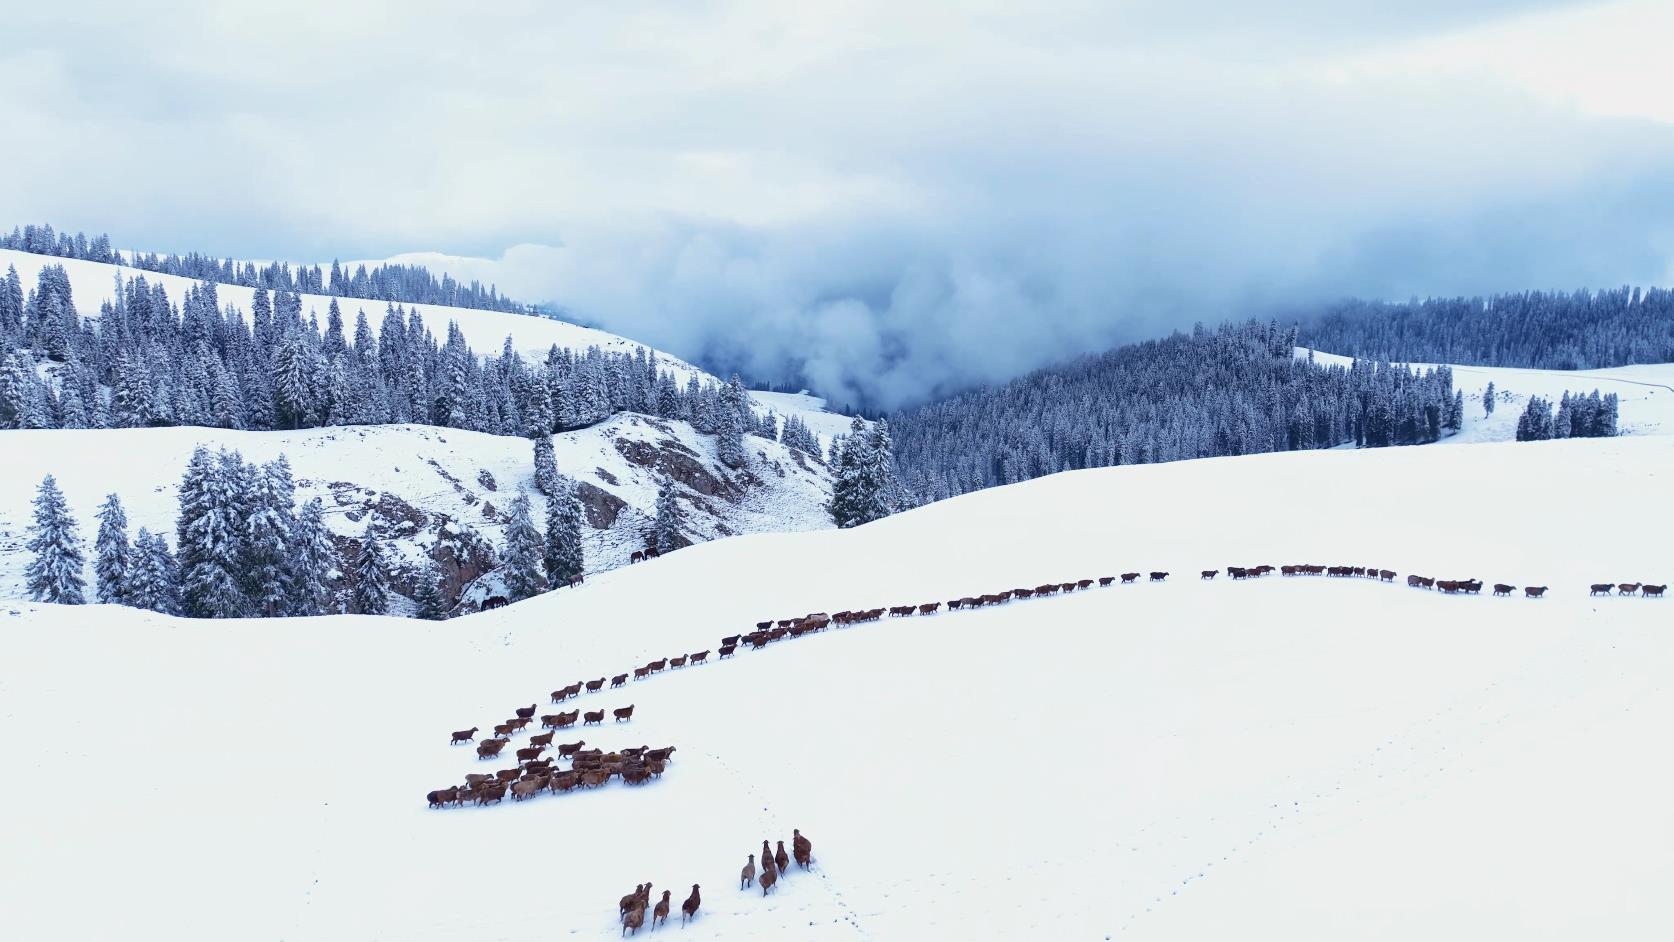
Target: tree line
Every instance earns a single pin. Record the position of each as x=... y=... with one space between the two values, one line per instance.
x=410 y=284
x=1234 y=390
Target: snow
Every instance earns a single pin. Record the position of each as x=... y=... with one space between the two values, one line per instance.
x=93 y=283
x=438 y=471
x=1646 y=393
x=810 y=408
x=1289 y=758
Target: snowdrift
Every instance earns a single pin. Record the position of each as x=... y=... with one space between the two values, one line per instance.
x=1288 y=758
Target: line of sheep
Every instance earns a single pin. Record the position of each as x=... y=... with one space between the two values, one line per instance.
x=589 y=768
x=631 y=909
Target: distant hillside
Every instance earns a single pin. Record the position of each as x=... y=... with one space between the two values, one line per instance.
x=410 y=284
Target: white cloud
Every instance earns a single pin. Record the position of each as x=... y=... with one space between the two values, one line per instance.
x=886 y=198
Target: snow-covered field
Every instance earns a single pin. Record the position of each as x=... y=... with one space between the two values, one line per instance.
x=468 y=477
x=1646 y=394
x=1290 y=758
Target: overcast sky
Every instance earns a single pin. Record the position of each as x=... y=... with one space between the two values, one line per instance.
x=889 y=199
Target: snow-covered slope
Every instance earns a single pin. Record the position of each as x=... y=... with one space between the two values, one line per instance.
x=430 y=483
x=93 y=283
x=1646 y=394
x=1302 y=758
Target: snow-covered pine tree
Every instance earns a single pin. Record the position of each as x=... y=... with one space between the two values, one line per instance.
x=851 y=495
x=669 y=521
x=372 y=591
x=564 y=556
x=313 y=561
x=1488 y=399
x=268 y=560
x=525 y=551
x=54 y=571
x=112 y=553
x=730 y=422
x=210 y=534
x=429 y=595
x=153 y=580
x=546 y=466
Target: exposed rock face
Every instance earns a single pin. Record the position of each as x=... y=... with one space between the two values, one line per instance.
x=602 y=507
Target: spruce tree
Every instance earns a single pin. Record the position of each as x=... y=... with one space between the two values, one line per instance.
x=268 y=560
x=525 y=551
x=564 y=556
x=54 y=572
x=670 y=520
x=313 y=561
x=429 y=597
x=153 y=579
x=112 y=553
x=546 y=467
x=210 y=534
x=1488 y=399
x=372 y=591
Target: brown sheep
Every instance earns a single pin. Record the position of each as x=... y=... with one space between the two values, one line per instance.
x=629 y=902
x=528 y=788
x=780 y=858
x=1210 y=573
x=1601 y=588
x=443 y=797
x=700 y=657
x=623 y=713
x=594 y=686
x=544 y=739
x=489 y=794
x=768 y=878
x=1534 y=591
x=633 y=919
x=567 y=749
x=747 y=875
x=550 y=720
x=489 y=748
x=477 y=778
x=464 y=735
x=640 y=673
x=1128 y=577
x=1654 y=591
x=593 y=778
x=1627 y=588
x=563 y=781
x=801 y=848
x=531 y=753
x=680 y=661
x=659 y=913
x=504 y=729
x=1501 y=588
x=688 y=909
x=733 y=639
x=508 y=775
x=592 y=718
x=566 y=720
x=618 y=680
x=524 y=713
x=658 y=665
x=727 y=650
x=929 y=608
x=661 y=755
x=1106 y=580
x=1158 y=576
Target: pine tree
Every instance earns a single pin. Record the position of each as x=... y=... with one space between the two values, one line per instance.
x=429 y=596
x=153 y=580
x=112 y=553
x=729 y=431
x=210 y=535
x=54 y=573
x=313 y=561
x=267 y=539
x=564 y=556
x=372 y=591
x=669 y=520
x=525 y=551
x=1488 y=399
x=546 y=467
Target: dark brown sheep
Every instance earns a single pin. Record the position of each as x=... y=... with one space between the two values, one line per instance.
x=489 y=794
x=688 y=909
x=567 y=749
x=661 y=755
x=1501 y=588
x=633 y=919
x=593 y=778
x=780 y=858
x=443 y=797
x=563 y=781
x=674 y=662
x=618 y=680
x=592 y=717
x=1601 y=588
x=528 y=788
x=527 y=712
x=1158 y=576
x=1654 y=591
x=508 y=775
x=768 y=877
x=747 y=875
x=1210 y=573
x=659 y=913
x=802 y=849
x=594 y=686
x=623 y=713
x=464 y=735
x=1534 y=591
x=529 y=754
x=1106 y=580
x=1129 y=576
x=727 y=650
x=1627 y=588
x=489 y=748
x=504 y=729
x=700 y=657
x=544 y=739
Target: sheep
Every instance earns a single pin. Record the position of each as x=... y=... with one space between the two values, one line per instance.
x=489 y=794
x=524 y=713
x=530 y=754
x=747 y=875
x=633 y=919
x=507 y=775
x=1501 y=588
x=659 y=913
x=593 y=686
x=1534 y=591
x=443 y=796
x=528 y=788
x=623 y=714
x=680 y=661
x=490 y=748
x=1601 y=588
x=627 y=902
x=1158 y=576
x=477 y=778
x=464 y=735
x=592 y=717
x=660 y=755
x=699 y=657
x=1654 y=591
x=563 y=781
x=544 y=739
x=1210 y=573
x=768 y=878
x=567 y=749
x=781 y=859
x=727 y=651
x=504 y=730
x=802 y=848
x=593 y=778
x=618 y=680
x=688 y=909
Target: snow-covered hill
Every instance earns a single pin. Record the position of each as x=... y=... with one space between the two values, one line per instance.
x=435 y=486
x=1303 y=758
x=1646 y=394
